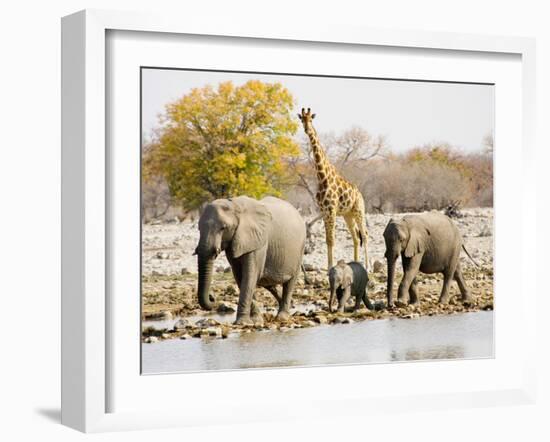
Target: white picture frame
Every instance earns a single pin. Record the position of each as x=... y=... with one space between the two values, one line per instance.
x=86 y=314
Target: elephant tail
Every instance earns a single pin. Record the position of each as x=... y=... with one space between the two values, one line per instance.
x=470 y=256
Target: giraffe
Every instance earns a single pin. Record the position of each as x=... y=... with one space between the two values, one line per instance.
x=336 y=195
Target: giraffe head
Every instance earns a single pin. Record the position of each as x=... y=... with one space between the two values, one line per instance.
x=306 y=118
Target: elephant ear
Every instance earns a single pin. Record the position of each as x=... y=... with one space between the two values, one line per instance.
x=251 y=233
x=416 y=243
x=388 y=228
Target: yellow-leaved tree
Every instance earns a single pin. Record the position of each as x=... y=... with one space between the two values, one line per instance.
x=225 y=141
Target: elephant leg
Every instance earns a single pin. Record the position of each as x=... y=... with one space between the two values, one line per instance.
x=284 y=306
x=330 y=221
x=350 y=222
x=273 y=290
x=247 y=286
x=358 y=300
x=410 y=269
x=339 y=293
x=342 y=303
x=256 y=315
x=459 y=278
x=413 y=292
x=445 y=291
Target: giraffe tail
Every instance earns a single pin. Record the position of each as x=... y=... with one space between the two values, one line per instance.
x=361 y=239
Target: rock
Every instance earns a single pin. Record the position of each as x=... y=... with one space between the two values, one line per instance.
x=485 y=231
x=321 y=303
x=309 y=267
x=185 y=336
x=231 y=290
x=378 y=266
x=225 y=332
x=206 y=323
x=166 y=314
x=347 y=321
x=309 y=248
x=185 y=271
x=213 y=331
x=182 y=324
x=227 y=269
x=162 y=255
x=166 y=336
x=151 y=339
x=411 y=316
x=227 y=307
x=220 y=269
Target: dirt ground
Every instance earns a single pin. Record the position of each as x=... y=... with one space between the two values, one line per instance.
x=169 y=278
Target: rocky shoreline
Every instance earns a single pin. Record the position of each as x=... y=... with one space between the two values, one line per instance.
x=169 y=282
x=174 y=298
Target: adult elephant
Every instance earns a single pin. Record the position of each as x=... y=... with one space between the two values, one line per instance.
x=430 y=243
x=264 y=243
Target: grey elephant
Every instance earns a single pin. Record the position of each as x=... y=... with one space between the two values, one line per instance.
x=264 y=243
x=346 y=280
x=430 y=243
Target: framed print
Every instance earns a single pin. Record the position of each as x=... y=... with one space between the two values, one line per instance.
x=246 y=209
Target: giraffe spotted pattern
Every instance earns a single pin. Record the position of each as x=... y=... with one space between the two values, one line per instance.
x=336 y=195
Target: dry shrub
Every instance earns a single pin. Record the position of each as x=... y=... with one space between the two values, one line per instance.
x=155 y=198
x=397 y=186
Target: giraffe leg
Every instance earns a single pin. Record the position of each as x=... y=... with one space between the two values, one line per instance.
x=350 y=222
x=360 y=223
x=365 y=236
x=330 y=221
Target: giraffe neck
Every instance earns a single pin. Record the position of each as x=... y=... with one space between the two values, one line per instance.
x=322 y=163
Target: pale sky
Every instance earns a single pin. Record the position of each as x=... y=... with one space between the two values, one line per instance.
x=407 y=113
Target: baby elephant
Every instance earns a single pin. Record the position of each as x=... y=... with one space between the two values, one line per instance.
x=346 y=280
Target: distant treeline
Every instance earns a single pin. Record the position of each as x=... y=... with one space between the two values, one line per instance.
x=427 y=177
x=231 y=140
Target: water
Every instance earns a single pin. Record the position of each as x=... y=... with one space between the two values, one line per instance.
x=467 y=335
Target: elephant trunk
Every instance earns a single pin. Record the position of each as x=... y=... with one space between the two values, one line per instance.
x=205 y=278
x=391 y=276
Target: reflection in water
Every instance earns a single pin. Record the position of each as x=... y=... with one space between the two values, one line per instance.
x=287 y=363
x=437 y=352
x=468 y=335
